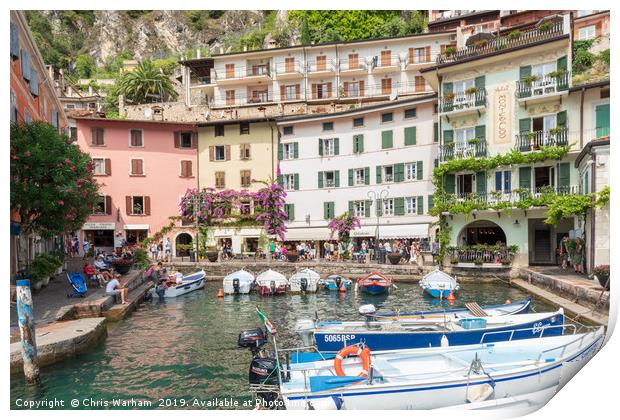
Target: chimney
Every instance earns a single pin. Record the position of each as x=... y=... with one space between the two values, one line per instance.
x=245 y=48
x=221 y=50
x=272 y=43
x=198 y=53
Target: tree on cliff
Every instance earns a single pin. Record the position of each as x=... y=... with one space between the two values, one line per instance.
x=144 y=82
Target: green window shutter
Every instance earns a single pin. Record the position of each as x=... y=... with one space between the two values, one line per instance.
x=602 y=120
x=367 y=175
x=448 y=183
x=479 y=82
x=525 y=125
x=351 y=207
x=326 y=210
x=410 y=136
x=419 y=169
x=379 y=208
x=320 y=147
x=525 y=177
x=280 y=180
x=525 y=72
x=367 y=206
x=399 y=172
x=481 y=132
x=399 y=206
x=563 y=63
x=296 y=150
x=290 y=211
x=560 y=120
x=386 y=139
x=332 y=212
x=430 y=202
x=563 y=177
x=379 y=174
x=447 y=88
x=350 y=177
x=358 y=143
x=280 y=152
x=448 y=136
x=296 y=177
x=481 y=184
x=320 y=180
x=435 y=132
x=436 y=163
x=524 y=90
x=336 y=146
x=420 y=202
x=562 y=81
x=337 y=178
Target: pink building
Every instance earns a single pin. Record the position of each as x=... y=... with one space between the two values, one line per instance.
x=144 y=167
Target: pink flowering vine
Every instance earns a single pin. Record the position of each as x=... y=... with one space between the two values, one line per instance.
x=343 y=225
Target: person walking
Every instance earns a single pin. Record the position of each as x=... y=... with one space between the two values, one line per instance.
x=167 y=250
x=154 y=252
x=86 y=246
x=564 y=252
x=160 y=251
x=418 y=256
x=578 y=256
x=435 y=251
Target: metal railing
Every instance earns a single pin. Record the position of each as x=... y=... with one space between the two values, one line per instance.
x=533 y=329
x=458 y=101
x=552 y=30
x=353 y=65
x=514 y=196
x=525 y=142
x=240 y=100
x=542 y=86
x=417 y=59
x=472 y=148
x=386 y=61
x=314 y=66
x=238 y=73
x=283 y=67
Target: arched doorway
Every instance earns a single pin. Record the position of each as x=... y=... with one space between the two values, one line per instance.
x=482 y=232
x=182 y=239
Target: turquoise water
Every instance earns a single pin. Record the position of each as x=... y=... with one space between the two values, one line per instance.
x=182 y=353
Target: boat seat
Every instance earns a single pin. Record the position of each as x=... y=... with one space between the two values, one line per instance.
x=475 y=309
x=384 y=367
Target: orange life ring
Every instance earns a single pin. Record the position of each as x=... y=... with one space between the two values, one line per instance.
x=363 y=353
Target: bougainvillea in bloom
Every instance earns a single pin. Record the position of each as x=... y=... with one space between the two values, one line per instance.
x=343 y=225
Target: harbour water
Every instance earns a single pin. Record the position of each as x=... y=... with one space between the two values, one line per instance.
x=182 y=353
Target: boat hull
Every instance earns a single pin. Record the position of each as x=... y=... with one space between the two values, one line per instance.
x=333 y=341
x=269 y=291
x=514 y=308
x=439 y=293
x=180 y=289
x=374 y=289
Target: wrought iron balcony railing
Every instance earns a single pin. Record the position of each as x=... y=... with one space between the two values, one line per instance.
x=458 y=101
x=543 y=86
x=526 y=142
x=472 y=148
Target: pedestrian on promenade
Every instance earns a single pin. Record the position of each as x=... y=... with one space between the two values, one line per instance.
x=387 y=249
x=326 y=253
x=564 y=254
x=160 y=251
x=578 y=256
x=154 y=252
x=418 y=256
x=435 y=251
x=86 y=246
x=381 y=256
x=167 y=250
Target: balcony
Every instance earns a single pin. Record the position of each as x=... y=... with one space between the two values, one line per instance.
x=240 y=100
x=353 y=68
x=416 y=62
x=550 y=31
x=492 y=198
x=526 y=142
x=472 y=148
x=461 y=103
x=288 y=70
x=252 y=74
x=386 y=64
x=539 y=89
x=321 y=68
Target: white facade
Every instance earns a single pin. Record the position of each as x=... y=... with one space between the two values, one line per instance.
x=345 y=178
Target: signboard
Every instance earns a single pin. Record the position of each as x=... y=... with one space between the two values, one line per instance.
x=99 y=226
x=502 y=100
x=360 y=233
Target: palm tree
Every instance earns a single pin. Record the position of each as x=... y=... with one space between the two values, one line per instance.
x=144 y=82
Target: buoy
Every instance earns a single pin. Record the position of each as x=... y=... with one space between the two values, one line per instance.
x=220 y=293
x=342 y=288
x=508 y=302
x=451 y=298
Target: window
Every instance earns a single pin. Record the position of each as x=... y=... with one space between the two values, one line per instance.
x=288 y=182
x=464 y=184
x=246 y=178
x=461 y=86
x=411 y=113
x=358 y=143
x=321 y=90
x=245 y=207
x=328 y=210
x=410 y=205
x=135 y=138
x=329 y=147
x=290 y=92
x=359 y=176
x=329 y=179
x=220 y=153
x=388 y=207
x=219 y=130
x=387 y=117
x=137 y=167
x=386 y=86
x=186 y=169
x=503 y=181
x=220 y=179
x=244 y=151
x=186 y=140
x=352 y=89
x=97 y=137
x=587 y=32
x=287 y=131
x=435 y=108
x=387 y=139
x=73 y=133
x=244 y=128
x=388 y=173
x=230 y=97
x=13 y=106
x=289 y=151
x=359 y=208
x=328 y=126
x=419 y=55
x=542 y=70
x=99 y=166
x=289 y=209
x=358 y=122
x=99 y=207
x=259 y=96
x=137 y=205
x=410 y=172
x=462 y=137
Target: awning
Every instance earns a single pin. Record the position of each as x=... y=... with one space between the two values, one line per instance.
x=308 y=234
x=136 y=227
x=403 y=231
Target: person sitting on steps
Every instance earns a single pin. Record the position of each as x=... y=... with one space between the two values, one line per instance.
x=113 y=288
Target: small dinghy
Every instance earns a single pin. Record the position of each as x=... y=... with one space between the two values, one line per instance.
x=304 y=281
x=271 y=283
x=239 y=282
x=336 y=282
x=183 y=285
x=472 y=309
x=375 y=284
x=439 y=284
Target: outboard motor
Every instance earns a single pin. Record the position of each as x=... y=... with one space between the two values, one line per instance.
x=338 y=280
x=263 y=370
x=368 y=311
x=303 y=284
x=235 y=284
x=273 y=287
x=305 y=329
x=253 y=339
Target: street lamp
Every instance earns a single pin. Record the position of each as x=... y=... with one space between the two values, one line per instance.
x=382 y=195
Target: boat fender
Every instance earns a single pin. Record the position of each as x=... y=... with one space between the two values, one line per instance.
x=363 y=352
x=444 y=341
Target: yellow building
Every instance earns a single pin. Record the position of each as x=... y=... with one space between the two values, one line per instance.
x=231 y=154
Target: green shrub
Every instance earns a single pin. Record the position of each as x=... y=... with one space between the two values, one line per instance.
x=604 y=56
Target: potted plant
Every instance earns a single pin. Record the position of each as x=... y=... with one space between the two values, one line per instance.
x=506 y=261
x=478 y=261
x=184 y=248
x=557 y=73
x=471 y=90
x=394 y=257
x=208 y=244
x=449 y=51
x=556 y=130
x=516 y=34
x=473 y=142
x=545 y=26
x=292 y=256
x=454 y=260
x=481 y=44
x=530 y=79
x=448 y=97
x=601 y=273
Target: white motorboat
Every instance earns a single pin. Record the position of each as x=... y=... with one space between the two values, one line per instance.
x=439 y=284
x=271 y=282
x=183 y=285
x=239 y=282
x=306 y=281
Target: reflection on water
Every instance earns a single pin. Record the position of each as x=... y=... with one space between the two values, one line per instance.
x=186 y=347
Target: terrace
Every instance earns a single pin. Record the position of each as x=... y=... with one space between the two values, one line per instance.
x=471 y=148
x=473 y=100
x=254 y=73
x=535 y=89
x=526 y=142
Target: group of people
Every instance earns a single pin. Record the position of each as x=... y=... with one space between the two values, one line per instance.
x=571 y=252
x=161 y=251
x=105 y=276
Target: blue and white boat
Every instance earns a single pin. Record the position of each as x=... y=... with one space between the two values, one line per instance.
x=335 y=282
x=375 y=284
x=471 y=309
x=438 y=377
x=439 y=284
x=183 y=285
x=331 y=337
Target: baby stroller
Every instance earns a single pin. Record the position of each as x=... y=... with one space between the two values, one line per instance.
x=78 y=285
